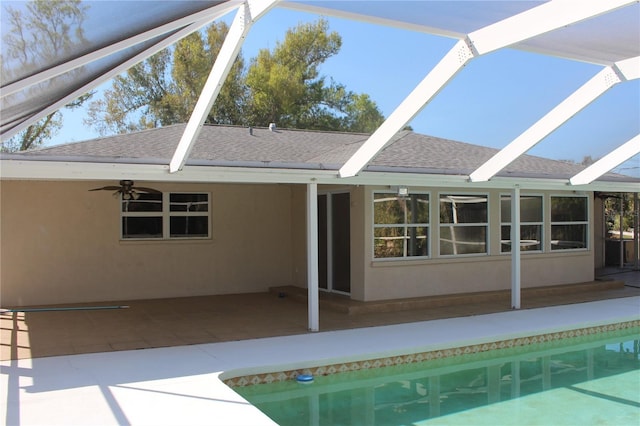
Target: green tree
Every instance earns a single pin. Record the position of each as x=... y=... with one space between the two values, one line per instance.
x=41 y=33
x=285 y=86
x=134 y=100
x=192 y=62
x=612 y=213
x=282 y=86
x=362 y=114
x=164 y=89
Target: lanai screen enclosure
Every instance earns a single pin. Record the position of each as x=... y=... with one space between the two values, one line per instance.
x=605 y=33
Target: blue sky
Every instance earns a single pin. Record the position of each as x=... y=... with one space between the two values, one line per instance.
x=490 y=102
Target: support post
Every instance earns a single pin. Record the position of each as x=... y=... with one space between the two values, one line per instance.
x=515 y=247
x=312 y=257
x=621 y=234
x=636 y=232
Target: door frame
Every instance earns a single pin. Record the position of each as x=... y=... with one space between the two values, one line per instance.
x=329 y=239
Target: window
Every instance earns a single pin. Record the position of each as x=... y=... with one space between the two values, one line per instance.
x=463 y=224
x=569 y=222
x=189 y=215
x=401 y=225
x=166 y=216
x=531 y=223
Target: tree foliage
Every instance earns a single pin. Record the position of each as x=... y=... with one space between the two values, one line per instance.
x=282 y=86
x=42 y=33
x=619 y=211
x=164 y=89
x=285 y=86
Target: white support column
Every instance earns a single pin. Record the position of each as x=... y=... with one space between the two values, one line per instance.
x=547 y=17
x=249 y=12
x=636 y=232
x=608 y=162
x=312 y=257
x=515 y=247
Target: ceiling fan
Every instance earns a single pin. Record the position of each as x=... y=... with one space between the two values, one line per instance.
x=128 y=191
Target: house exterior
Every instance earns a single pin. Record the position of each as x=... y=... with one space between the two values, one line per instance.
x=234 y=220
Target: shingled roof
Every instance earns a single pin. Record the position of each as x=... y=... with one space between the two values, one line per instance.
x=299 y=149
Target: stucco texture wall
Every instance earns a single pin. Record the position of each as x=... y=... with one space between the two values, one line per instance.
x=60 y=243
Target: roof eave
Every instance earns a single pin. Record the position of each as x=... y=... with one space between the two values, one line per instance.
x=23 y=169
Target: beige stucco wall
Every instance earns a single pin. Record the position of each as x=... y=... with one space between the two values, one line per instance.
x=60 y=243
x=437 y=276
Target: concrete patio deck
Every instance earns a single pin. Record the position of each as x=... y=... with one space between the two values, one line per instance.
x=157 y=323
x=181 y=385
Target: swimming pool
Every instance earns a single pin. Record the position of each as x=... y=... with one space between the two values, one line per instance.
x=583 y=378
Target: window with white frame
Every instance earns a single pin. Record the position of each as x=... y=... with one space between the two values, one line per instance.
x=166 y=216
x=531 y=223
x=463 y=224
x=569 y=222
x=400 y=225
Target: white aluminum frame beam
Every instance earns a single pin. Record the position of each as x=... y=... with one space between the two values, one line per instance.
x=531 y=23
x=515 y=248
x=313 y=296
x=204 y=16
x=428 y=88
x=577 y=101
x=112 y=73
x=608 y=162
x=629 y=68
x=248 y=13
x=318 y=9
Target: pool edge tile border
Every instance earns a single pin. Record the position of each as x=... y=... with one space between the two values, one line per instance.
x=239 y=379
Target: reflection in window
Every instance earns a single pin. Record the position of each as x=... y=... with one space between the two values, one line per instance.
x=569 y=223
x=142 y=217
x=401 y=225
x=531 y=223
x=189 y=202
x=463 y=224
x=189 y=215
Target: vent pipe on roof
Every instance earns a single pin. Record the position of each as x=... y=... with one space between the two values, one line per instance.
x=272 y=127
x=251 y=131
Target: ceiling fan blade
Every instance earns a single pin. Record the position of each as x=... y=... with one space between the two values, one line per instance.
x=107 y=188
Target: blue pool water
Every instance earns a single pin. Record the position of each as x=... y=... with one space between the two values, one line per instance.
x=576 y=382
